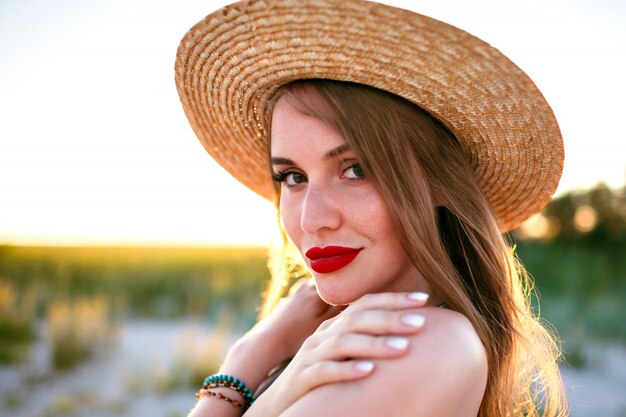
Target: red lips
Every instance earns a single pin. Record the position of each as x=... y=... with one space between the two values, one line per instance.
x=331 y=258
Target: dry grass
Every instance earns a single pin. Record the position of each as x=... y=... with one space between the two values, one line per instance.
x=198 y=356
x=16 y=329
x=78 y=329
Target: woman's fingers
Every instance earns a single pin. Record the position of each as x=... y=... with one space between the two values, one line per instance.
x=383 y=301
x=354 y=345
x=341 y=356
x=326 y=372
x=389 y=300
x=380 y=322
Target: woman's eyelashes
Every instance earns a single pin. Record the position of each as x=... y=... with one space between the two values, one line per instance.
x=351 y=171
x=354 y=172
x=290 y=178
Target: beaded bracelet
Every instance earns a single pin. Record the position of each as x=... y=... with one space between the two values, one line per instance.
x=227 y=381
x=236 y=388
x=206 y=393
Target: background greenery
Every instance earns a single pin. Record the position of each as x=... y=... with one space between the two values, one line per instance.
x=580 y=265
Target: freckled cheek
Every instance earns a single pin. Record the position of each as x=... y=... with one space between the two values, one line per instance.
x=368 y=214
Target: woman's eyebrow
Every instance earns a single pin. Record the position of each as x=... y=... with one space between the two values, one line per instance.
x=282 y=161
x=333 y=153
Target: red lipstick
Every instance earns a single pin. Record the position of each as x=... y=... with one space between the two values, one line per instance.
x=331 y=258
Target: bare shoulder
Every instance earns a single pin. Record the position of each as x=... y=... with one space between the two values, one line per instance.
x=449 y=339
x=443 y=374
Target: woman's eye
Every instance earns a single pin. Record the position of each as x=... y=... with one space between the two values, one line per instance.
x=294 y=178
x=290 y=178
x=354 y=172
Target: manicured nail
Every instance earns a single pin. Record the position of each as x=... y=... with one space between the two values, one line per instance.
x=418 y=296
x=413 y=320
x=398 y=343
x=364 y=366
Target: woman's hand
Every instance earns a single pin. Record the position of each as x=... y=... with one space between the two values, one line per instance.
x=295 y=318
x=278 y=336
x=344 y=347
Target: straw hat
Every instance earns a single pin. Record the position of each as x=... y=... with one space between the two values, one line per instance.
x=233 y=61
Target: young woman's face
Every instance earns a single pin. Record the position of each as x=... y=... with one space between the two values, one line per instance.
x=333 y=214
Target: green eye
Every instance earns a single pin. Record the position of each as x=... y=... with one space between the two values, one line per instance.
x=354 y=172
x=289 y=178
x=295 y=178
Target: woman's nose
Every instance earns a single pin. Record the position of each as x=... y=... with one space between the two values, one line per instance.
x=320 y=211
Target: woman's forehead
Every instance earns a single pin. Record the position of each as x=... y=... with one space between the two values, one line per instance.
x=294 y=132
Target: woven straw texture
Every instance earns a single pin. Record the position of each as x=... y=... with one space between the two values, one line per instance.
x=232 y=62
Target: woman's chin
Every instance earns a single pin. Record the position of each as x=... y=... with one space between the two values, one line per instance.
x=335 y=294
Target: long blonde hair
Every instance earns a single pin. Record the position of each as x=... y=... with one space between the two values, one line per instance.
x=412 y=160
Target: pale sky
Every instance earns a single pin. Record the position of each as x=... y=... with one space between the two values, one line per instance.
x=95 y=148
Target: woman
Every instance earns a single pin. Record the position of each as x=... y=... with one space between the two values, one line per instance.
x=393 y=183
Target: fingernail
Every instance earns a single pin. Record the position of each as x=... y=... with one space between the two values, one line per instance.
x=364 y=366
x=399 y=343
x=413 y=320
x=418 y=296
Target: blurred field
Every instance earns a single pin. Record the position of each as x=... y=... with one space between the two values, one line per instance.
x=119 y=316
x=582 y=285
x=80 y=293
x=154 y=282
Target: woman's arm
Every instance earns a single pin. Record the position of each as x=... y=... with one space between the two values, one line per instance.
x=444 y=374
x=267 y=344
x=250 y=359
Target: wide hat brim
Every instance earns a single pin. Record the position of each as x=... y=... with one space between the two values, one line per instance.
x=230 y=64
